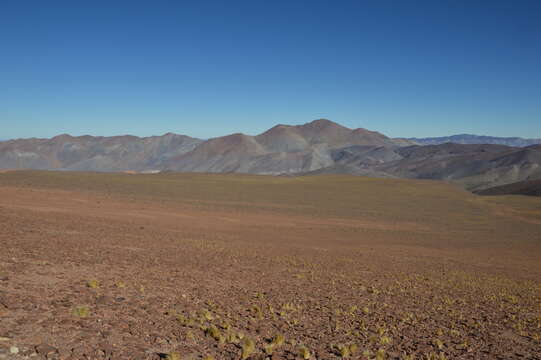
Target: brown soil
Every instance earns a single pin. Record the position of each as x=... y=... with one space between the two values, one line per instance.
x=188 y=275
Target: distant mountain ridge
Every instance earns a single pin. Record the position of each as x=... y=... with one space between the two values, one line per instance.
x=283 y=149
x=94 y=153
x=476 y=139
x=317 y=147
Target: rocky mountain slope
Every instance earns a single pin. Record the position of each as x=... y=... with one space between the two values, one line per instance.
x=531 y=188
x=90 y=153
x=318 y=147
x=476 y=139
x=282 y=149
x=472 y=166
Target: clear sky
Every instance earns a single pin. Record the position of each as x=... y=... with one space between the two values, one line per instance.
x=208 y=68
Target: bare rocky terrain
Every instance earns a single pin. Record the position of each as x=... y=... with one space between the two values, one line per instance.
x=94 y=153
x=531 y=188
x=202 y=266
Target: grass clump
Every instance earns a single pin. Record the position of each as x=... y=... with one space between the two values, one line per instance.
x=214 y=333
x=366 y=310
x=185 y=321
x=81 y=311
x=345 y=351
x=278 y=340
x=258 y=314
x=93 y=284
x=173 y=356
x=342 y=350
x=248 y=348
x=438 y=343
x=304 y=353
x=269 y=348
x=207 y=315
x=232 y=338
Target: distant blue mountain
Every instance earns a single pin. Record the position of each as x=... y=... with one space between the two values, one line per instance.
x=476 y=139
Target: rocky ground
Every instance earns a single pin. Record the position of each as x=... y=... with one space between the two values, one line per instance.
x=94 y=275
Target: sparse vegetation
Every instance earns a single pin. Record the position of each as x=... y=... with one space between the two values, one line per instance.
x=304 y=353
x=173 y=356
x=248 y=348
x=278 y=340
x=219 y=277
x=81 y=311
x=93 y=284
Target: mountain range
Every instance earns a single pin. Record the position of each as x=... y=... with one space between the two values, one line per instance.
x=318 y=147
x=94 y=153
x=476 y=139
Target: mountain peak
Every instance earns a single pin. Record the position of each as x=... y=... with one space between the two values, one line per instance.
x=320 y=123
x=62 y=136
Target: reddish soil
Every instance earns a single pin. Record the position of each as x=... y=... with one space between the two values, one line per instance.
x=179 y=278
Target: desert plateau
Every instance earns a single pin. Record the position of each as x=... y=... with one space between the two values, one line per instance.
x=214 y=266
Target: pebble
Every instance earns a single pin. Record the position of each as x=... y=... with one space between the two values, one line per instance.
x=14 y=350
x=45 y=349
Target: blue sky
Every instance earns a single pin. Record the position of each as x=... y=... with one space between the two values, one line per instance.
x=209 y=68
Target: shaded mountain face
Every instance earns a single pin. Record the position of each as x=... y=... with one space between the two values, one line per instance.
x=530 y=188
x=472 y=166
x=476 y=139
x=318 y=147
x=89 y=153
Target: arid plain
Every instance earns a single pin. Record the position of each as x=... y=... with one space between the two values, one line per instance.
x=199 y=266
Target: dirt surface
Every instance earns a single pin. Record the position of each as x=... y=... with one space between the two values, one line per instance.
x=101 y=266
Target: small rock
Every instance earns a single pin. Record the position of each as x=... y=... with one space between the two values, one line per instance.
x=14 y=350
x=102 y=300
x=45 y=349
